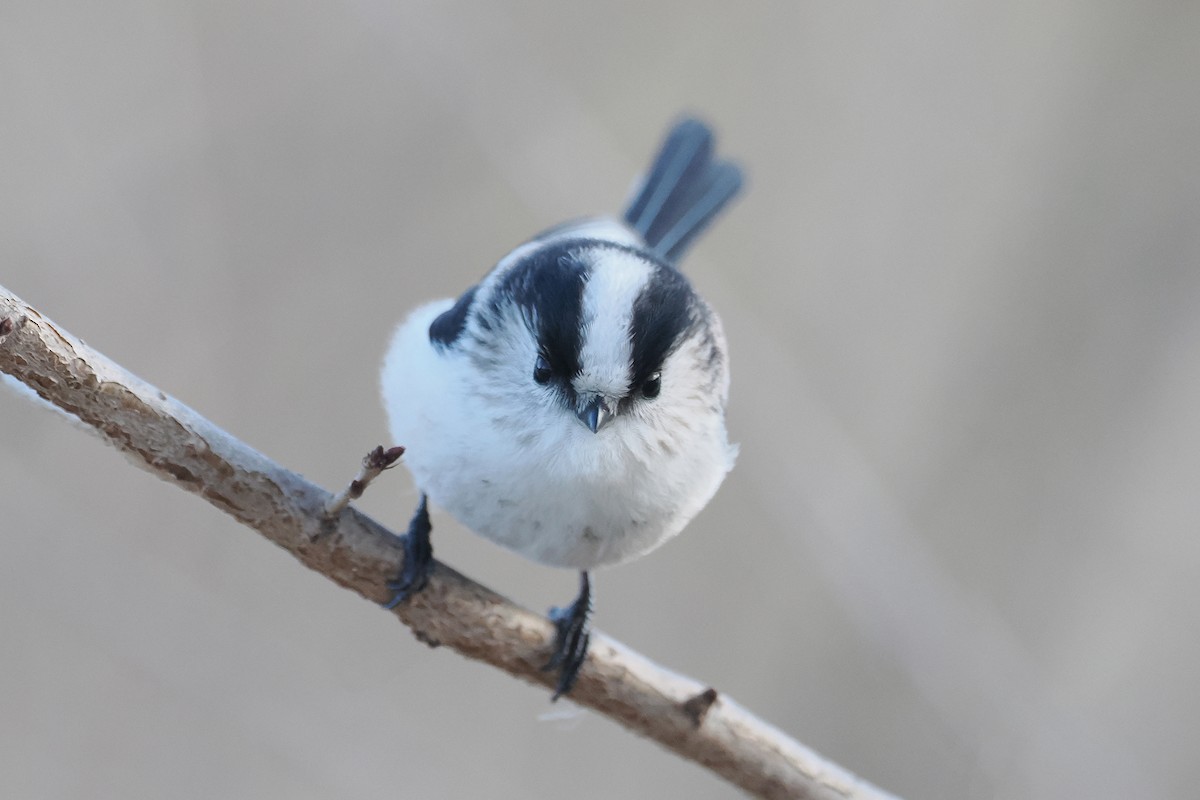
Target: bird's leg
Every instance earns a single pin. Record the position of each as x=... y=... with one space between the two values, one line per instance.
x=571 y=639
x=418 y=558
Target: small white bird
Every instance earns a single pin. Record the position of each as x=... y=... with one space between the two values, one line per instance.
x=571 y=405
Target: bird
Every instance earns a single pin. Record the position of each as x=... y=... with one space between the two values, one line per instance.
x=570 y=406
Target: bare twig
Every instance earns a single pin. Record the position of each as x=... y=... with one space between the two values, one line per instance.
x=373 y=463
x=169 y=439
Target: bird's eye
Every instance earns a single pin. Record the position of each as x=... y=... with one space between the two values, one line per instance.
x=652 y=386
x=541 y=370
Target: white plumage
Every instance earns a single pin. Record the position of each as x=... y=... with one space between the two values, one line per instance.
x=571 y=406
x=503 y=456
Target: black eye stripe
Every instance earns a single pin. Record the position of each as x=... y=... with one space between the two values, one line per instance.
x=663 y=314
x=548 y=287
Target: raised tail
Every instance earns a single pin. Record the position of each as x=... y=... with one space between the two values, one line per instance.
x=683 y=192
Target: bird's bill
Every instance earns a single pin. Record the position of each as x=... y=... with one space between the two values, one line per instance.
x=596 y=413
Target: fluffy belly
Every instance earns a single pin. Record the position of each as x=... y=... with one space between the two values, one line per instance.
x=549 y=518
x=541 y=484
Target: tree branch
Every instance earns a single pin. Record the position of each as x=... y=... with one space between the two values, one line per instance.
x=170 y=440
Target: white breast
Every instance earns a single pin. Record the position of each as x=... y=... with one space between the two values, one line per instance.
x=537 y=482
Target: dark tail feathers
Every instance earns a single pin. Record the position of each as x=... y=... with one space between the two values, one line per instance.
x=683 y=192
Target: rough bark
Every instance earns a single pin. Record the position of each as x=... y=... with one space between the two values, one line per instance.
x=172 y=441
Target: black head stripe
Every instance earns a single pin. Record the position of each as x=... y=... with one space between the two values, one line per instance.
x=548 y=287
x=663 y=313
x=445 y=330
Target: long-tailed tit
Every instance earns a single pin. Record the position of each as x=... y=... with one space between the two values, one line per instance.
x=571 y=405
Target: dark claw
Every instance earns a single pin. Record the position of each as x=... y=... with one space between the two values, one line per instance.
x=418 y=558
x=571 y=638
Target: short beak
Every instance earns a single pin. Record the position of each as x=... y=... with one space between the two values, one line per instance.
x=596 y=414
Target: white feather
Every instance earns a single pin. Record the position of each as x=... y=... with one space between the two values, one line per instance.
x=608 y=300
x=508 y=460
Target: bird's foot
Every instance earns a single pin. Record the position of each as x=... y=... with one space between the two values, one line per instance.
x=418 y=558
x=572 y=634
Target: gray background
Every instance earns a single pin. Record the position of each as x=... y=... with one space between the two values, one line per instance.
x=959 y=553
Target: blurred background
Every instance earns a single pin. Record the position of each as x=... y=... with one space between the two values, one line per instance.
x=959 y=553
